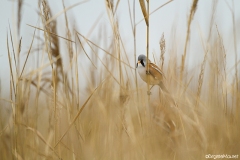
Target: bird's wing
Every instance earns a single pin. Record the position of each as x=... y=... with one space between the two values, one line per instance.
x=155 y=71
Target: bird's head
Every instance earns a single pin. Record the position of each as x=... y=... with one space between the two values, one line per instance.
x=142 y=60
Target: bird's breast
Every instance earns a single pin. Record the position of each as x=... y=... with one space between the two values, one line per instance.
x=147 y=77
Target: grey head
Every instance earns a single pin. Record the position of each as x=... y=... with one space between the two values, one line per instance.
x=142 y=59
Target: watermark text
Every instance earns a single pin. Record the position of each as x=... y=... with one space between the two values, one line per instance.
x=220 y=156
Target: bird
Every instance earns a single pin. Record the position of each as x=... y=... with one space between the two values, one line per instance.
x=153 y=76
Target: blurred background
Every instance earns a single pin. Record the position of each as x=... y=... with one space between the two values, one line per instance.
x=85 y=104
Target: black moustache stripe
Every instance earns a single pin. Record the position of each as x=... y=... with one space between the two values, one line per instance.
x=142 y=63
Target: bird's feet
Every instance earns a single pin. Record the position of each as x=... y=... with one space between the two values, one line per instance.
x=147 y=72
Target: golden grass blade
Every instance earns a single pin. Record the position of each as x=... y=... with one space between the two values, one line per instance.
x=77 y=77
x=94 y=24
x=130 y=15
x=162 y=49
x=224 y=90
x=20 y=4
x=233 y=67
x=45 y=14
x=144 y=11
x=9 y=101
x=154 y=11
x=186 y=86
x=235 y=54
x=125 y=53
x=105 y=51
x=14 y=54
x=116 y=7
x=40 y=136
x=201 y=74
x=34 y=84
x=17 y=155
x=78 y=114
x=147 y=49
x=64 y=11
x=104 y=65
x=41 y=89
x=86 y=52
x=190 y=18
x=135 y=69
x=114 y=25
x=11 y=70
x=200 y=78
x=110 y=5
x=51 y=33
x=4 y=129
x=19 y=48
x=43 y=66
x=69 y=45
x=28 y=53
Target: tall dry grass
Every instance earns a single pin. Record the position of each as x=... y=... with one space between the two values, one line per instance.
x=64 y=108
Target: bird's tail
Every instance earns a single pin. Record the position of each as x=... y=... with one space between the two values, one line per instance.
x=164 y=89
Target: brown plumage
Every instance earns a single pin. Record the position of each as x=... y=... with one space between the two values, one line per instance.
x=154 y=76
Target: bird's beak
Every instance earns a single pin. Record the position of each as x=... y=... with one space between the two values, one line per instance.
x=137 y=63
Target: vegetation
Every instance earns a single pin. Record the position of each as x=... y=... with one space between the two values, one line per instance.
x=64 y=108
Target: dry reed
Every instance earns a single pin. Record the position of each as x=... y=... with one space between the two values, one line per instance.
x=190 y=18
x=65 y=108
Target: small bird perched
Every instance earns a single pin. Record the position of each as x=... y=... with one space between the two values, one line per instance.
x=154 y=76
